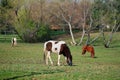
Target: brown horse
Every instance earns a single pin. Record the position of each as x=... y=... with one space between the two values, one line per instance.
x=88 y=48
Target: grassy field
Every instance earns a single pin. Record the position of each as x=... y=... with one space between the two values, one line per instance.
x=25 y=62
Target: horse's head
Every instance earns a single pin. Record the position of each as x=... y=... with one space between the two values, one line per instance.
x=69 y=60
x=84 y=50
x=66 y=52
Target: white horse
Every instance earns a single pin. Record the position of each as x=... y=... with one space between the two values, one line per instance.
x=14 y=41
x=58 y=47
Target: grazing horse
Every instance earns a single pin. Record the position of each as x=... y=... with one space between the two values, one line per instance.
x=89 y=49
x=58 y=47
x=14 y=41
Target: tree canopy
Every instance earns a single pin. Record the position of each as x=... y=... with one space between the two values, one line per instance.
x=32 y=19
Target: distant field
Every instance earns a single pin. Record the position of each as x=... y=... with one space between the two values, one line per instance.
x=25 y=62
x=7 y=38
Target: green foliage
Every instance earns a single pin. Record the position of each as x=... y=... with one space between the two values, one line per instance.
x=5 y=3
x=106 y=12
x=5 y=16
x=43 y=33
x=29 y=30
x=99 y=10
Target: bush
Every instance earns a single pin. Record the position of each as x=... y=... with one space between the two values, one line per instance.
x=39 y=34
x=43 y=33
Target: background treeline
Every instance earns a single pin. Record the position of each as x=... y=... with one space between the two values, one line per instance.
x=33 y=20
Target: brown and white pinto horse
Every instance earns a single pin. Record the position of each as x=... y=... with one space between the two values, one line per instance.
x=89 y=49
x=58 y=47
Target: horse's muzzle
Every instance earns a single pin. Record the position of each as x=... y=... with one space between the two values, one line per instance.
x=70 y=63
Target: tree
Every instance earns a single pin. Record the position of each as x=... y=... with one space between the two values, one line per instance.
x=106 y=13
x=115 y=16
x=5 y=16
x=68 y=17
x=67 y=13
x=30 y=28
x=86 y=17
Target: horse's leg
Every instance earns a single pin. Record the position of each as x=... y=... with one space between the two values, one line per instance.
x=47 y=56
x=58 y=60
x=12 y=44
x=92 y=54
x=50 y=58
x=66 y=59
x=15 y=43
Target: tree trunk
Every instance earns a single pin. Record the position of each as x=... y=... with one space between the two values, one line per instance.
x=83 y=34
x=71 y=33
x=88 y=31
x=107 y=44
x=88 y=38
x=96 y=37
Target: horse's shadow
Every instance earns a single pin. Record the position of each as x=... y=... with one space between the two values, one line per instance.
x=35 y=73
x=70 y=66
x=95 y=57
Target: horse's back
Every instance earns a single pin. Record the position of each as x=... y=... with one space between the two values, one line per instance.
x=88 y=48
x=53 y=45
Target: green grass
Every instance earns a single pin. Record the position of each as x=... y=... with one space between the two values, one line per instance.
x=25 y=62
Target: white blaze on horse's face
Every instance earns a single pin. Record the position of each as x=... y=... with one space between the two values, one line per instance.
x=58 y=47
